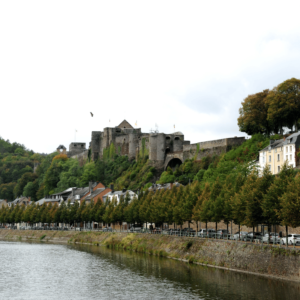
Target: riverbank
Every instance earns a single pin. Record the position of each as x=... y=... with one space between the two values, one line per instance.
x=264 y=260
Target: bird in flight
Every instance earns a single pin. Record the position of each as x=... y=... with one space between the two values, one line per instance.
x=92 y=114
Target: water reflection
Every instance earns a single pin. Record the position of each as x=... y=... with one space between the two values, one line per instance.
x=43 y=271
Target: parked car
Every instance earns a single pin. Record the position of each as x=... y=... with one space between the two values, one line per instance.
x=188 y=232
x=174 y=232
x=253 y=236
x=293 y=239
x=136 y=227
x=271 y=238
x=107 y=229
x=242 y=235
x=208 y=233
x=222 y=234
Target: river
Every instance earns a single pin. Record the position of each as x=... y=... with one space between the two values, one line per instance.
x=41 y=271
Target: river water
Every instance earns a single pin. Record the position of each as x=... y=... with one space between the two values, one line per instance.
x=41 y=271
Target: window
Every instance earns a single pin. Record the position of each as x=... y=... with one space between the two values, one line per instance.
x=290 y=156
x=275 y=150
x=269 y=167
x=291 y=148
x=263 y=159
x=269 y=158
x=278 y=169
x=287 y=157
x=287 y=149
x=281 y=149
x=278 y=157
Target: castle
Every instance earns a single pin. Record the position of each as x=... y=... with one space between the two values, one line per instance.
x=163 y=149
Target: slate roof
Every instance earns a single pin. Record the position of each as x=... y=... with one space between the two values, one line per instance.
x=292 y=139
x=94 y=193
x=20 y=200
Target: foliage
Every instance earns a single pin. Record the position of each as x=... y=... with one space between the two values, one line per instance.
x=254 y=114
x=270 y=111
x=247 y=201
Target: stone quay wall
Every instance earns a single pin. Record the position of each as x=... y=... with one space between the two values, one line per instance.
x=264 y=260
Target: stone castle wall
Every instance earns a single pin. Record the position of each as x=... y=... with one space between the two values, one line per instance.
x=160 y=147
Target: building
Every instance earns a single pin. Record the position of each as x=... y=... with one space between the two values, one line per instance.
x=162 y=149
x=118 y=194
x=20 y=201
x=280 y=151
x=48 y=200
x=167 y=186
x=3 y=203
x=95 y=193
x=76 y=150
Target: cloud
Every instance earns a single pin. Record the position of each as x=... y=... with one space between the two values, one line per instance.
x=161 y=62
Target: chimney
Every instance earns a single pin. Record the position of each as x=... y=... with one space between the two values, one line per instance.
x=284 y=138
x=112 y=188
x=90 y=186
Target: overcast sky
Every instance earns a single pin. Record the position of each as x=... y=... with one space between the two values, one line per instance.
x=188 y=63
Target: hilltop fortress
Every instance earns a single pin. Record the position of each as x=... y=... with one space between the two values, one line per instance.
x=163 y=149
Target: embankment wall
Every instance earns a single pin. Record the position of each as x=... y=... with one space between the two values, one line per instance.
x=263 y=260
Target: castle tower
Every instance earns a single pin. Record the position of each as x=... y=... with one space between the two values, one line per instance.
x=133 y=142
x=61 y=149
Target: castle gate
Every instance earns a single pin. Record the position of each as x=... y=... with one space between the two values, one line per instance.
x=173 y=159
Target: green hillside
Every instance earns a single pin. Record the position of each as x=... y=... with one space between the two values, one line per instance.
x=56 y=172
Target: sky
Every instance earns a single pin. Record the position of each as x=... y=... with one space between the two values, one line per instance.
x=165 y=63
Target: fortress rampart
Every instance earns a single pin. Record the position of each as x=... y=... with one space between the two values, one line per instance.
x=163 y=149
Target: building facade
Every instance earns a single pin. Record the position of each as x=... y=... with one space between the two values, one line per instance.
x=280 y=151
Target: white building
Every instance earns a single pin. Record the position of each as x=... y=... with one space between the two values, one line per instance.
x=118 y=194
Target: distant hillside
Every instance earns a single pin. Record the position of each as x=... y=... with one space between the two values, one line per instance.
x=15 y=161
x=57 y=172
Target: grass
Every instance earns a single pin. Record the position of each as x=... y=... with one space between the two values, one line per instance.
x=42 y=237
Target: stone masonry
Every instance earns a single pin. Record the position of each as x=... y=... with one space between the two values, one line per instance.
x=163 y=149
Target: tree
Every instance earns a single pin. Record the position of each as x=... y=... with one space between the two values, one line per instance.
x=22 y=182
x=216 y=202
x=254 y=114
x=290 y=204
x=284 y=104
x=201 y=210
x=271 y=203
x=57 y=166
x=167 y=177
x=7 y=190
x=89 y=173
x=31 y=189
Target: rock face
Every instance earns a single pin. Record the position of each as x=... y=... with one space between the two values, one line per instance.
x=163 y=149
